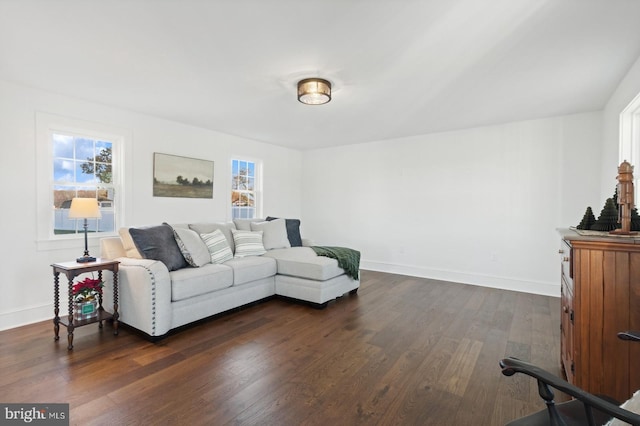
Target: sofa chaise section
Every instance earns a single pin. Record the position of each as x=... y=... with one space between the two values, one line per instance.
x=303 y=275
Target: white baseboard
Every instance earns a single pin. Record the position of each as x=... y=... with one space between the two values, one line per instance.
x=534 y=287
x=28 y=315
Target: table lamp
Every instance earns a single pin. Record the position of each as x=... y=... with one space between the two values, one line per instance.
x=85 y=208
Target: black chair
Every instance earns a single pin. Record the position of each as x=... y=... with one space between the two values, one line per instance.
x=584 y=409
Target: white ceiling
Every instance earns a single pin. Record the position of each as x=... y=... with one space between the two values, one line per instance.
x=398 y=67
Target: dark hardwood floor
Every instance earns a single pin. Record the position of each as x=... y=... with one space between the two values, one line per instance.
x=404 y=351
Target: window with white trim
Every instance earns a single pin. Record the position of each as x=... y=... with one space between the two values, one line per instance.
x=244 y=189
x=77 y=158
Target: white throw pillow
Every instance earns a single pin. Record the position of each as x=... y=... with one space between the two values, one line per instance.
x=218 y=246
x=274 y=233
x=248 y=243
x=193 y=248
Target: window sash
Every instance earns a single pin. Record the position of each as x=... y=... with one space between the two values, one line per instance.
x=244 y=193
x=81 y=169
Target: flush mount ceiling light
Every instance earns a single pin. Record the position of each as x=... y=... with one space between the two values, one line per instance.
x=314 y=91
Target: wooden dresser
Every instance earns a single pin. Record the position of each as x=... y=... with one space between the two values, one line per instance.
x=600 y=297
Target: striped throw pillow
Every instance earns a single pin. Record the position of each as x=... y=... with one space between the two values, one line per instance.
x=218 y=246
x=248 y=243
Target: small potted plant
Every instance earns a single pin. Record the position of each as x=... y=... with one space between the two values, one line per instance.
x=85 y=296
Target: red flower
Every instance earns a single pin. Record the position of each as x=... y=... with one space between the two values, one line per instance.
x=87 y=289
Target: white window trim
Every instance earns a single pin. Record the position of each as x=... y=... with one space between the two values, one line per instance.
x=630 y=140
x=46 y=125
x=258 y=190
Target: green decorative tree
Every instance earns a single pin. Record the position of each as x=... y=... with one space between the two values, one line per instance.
x=587 y=220
x=608 y=219
x=635 y=220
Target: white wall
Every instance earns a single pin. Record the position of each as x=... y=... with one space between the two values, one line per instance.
x=26 y=286
x=627 y=90
x=478 y=206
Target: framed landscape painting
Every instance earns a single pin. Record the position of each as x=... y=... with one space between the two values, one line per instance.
x=175 y=176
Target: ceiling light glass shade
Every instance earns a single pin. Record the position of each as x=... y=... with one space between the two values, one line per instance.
x=314 y=91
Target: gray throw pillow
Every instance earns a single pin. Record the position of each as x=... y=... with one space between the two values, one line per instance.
x=158 y=243
x=193 y=249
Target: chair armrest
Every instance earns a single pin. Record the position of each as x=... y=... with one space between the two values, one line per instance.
x=510 y=366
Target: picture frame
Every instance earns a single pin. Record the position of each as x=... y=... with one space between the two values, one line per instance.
x=182 y=177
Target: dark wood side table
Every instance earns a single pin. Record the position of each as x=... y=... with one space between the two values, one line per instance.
x=72 y=270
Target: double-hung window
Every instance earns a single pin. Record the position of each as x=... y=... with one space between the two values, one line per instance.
x=76 y=158
x=82 y=167
x=244 y=189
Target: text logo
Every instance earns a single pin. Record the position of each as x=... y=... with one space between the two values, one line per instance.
x=34 y=414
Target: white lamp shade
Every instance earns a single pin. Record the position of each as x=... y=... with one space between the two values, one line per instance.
x=84 y=208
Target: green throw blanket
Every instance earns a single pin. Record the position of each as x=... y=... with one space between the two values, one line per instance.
x=348 y=259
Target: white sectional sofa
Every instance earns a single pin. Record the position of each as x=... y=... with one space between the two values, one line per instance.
x=160 y=292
